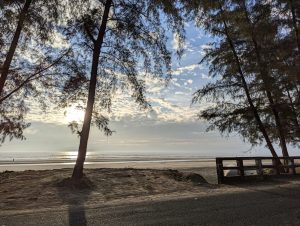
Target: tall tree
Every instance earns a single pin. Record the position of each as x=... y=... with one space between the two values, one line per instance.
x=127 y=43
x=261 y=64
x=217 y=24
x=30 y=47
x=288 y=54
x=6 y=65
x=243 y=59
x=33 y=18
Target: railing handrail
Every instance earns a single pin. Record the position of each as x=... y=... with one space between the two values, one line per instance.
x=256 y=157
x=259 y=166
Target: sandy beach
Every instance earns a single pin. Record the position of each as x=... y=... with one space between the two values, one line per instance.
x=44 y=185
x=27 y=186
x=49 y=188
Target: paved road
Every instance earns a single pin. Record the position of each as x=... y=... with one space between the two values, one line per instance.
x=280 y=206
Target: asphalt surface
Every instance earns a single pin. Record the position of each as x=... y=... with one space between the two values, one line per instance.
x=280 y=206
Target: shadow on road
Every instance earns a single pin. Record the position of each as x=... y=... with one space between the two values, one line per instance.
x=268 y=203
x=75 y=195
x=273 y=186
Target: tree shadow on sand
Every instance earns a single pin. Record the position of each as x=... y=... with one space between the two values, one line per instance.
x=75 y=194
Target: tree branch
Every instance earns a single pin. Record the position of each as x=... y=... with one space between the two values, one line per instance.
x=31 y=77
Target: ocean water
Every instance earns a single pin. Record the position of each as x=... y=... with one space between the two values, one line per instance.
x=115 y=156
x=70 y=156
x=53 y=143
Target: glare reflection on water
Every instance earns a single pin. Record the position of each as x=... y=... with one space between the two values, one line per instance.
x=70 y=155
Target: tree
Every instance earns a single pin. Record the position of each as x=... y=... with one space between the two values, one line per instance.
x=127 y=42
x=13 y=46
x=248 y=74
x=29 y=52
x=288 y=15
x=220 y=27
x=251 y=32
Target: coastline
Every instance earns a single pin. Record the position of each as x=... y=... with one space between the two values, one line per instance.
x=147 y=163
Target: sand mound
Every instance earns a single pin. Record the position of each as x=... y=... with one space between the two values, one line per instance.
x=84 y=183
x=192 y=177
x=196 y=178
x=52 y=188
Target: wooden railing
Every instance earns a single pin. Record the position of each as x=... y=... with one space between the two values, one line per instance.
x=286 y=165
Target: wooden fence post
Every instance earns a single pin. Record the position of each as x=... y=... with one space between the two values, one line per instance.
x=240 y=164
x=276 y=165
x=293 y=166
x=220 y=171
x=279 y=165
x=259 y=168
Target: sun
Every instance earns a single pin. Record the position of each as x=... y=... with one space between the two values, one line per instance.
x=74 y=114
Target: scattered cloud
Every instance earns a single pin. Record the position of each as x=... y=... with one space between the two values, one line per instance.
x=31 y=131
x=187 y=68
x=59 y=41
x=171 y=103
x=205 y=76
x=177 y=43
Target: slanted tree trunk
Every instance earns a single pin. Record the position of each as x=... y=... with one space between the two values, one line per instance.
x=297 y=35
x=266 y=82
x=295 y=25
x=247 y=92
x=12 y=49
x=294 y=111
x=84 y=134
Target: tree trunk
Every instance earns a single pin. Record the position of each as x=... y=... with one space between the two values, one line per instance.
x=247 y=92
x=266 y=81
x=297 y=34
x=84 y=135
x=13 y=46
x=296 y=29
x=294 y=111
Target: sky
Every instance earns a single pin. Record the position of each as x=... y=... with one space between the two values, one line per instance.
x=171 y=128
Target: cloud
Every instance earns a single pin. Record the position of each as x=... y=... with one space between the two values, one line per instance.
x=187 y=68
x=170 y=103
x=205 y=46
x=180 y=93
x=31 y=131
x=205 y=76
x=177 y=42
x=59 y=41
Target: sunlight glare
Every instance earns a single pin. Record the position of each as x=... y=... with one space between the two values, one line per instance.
x=74 y=114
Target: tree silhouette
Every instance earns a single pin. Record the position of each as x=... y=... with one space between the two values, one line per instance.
x=28 y=58
x=123 y=42
x=253 y=90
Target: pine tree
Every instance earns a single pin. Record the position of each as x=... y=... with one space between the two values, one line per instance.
x=253 y=90
x=27 y=58
x=123 y=42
